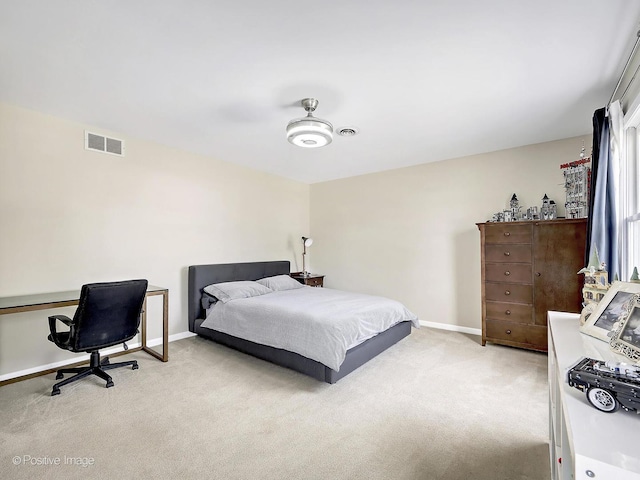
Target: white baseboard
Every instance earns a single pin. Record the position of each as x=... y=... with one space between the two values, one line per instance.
x=84 y=357
x=452 y=328
x=172 y=338
x=179 y=336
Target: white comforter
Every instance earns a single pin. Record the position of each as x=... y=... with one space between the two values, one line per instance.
x=318 y=323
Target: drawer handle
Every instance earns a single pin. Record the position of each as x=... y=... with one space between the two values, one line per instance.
x=508 y=312
x=506 y=254
x=538 y=274
x=507 y=234
x=508 y=332
x=507 y=273
x=507 y=292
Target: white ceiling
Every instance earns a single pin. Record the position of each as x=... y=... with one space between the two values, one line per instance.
x=422 y=80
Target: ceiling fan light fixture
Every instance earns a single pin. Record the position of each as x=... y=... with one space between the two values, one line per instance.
x=309 y=131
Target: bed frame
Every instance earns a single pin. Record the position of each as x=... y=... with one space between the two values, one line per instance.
x=202 y=275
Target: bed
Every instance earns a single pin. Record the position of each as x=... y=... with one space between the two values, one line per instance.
x=200 y=276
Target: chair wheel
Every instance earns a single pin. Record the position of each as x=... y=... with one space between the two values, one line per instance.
x=55 y=391
x=59 y=376
x=134 y=366
x=109 y=384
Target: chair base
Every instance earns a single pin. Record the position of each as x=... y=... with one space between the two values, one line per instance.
x=97 y=366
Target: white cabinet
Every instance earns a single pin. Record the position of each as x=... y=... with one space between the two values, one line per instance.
x=585 y=443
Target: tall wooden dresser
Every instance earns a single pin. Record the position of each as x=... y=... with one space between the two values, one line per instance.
x=529 y=268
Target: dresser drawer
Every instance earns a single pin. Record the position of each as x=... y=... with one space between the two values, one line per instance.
x=517 y=333
x=506 y=233
x=496 y=253
x=508 y=272
x=513 y=312
x=508 y=292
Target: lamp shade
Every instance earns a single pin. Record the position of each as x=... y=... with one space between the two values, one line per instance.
x=309 y=132
x=307 y=241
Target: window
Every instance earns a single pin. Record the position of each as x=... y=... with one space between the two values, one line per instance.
x=629 y=194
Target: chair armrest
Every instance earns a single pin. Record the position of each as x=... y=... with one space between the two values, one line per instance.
x=52 y=322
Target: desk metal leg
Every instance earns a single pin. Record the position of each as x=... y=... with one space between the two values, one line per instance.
x=143 y=324
x=165 y=328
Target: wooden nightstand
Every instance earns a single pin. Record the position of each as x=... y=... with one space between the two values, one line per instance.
x=313 y=280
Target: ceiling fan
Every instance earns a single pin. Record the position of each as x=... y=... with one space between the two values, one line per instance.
x=313 y=132
x=309 y=131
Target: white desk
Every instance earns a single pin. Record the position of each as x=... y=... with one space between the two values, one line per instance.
x=585 y=443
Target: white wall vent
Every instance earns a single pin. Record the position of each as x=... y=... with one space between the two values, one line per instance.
x=100 y=143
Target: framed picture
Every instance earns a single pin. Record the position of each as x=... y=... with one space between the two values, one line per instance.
x=626 y=337
x=609 y=310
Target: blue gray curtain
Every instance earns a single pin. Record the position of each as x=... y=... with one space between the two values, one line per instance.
x=602 y=230
x=599 y=119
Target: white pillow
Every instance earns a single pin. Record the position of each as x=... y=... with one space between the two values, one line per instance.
x=280 y=282
x=226 y=291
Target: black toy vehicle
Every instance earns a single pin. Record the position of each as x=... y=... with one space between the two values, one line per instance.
x=608 y=385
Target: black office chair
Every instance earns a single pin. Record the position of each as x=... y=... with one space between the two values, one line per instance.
x=108 y=314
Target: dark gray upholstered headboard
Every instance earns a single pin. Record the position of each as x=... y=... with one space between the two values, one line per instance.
x=202 y=275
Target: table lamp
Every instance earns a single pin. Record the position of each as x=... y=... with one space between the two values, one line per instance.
x=306 y=242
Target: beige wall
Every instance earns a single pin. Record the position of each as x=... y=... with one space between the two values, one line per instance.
x=69 y=216
x=410 y=233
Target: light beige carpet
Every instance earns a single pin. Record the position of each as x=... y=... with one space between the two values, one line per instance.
x=435 y=406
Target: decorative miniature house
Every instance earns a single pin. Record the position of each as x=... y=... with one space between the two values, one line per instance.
x=548 y=209
x=596 y=279
x=577 y=182
x=511 y=214
x=514 y=212
x=514 y=204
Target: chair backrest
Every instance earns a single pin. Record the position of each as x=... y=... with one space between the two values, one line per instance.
x=108 y=314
